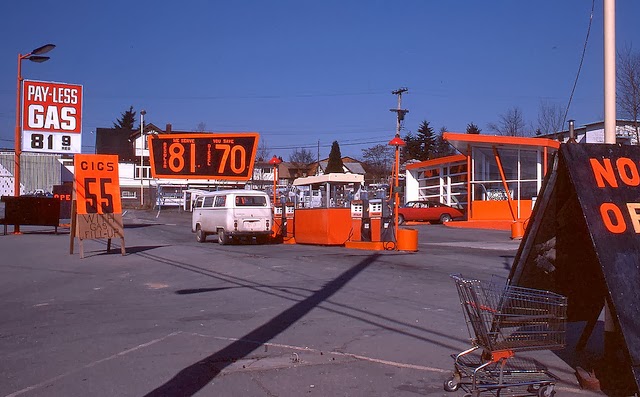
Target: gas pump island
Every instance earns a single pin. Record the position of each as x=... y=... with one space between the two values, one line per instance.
x=330 y=217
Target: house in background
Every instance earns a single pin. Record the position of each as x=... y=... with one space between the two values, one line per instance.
x=349 y=166
x=139 y=189
x=594 y=133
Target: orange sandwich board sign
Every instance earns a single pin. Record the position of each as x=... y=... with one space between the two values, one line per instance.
x=97 y=213
x=221 y=156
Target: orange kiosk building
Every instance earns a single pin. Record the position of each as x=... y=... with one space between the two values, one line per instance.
x=326 y=218
x=495 y=180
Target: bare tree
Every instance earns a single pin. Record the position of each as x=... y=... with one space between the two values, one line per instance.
x=301 y=157
x=262 y=154
x=628 y=86
x=550 y=118
x=201 y=127
x=378 y=161
x=511 y=123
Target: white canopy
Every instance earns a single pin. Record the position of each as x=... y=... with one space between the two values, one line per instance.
x=331 y=178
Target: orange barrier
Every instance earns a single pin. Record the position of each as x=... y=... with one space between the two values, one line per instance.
x=407 y=240
x=517 y=230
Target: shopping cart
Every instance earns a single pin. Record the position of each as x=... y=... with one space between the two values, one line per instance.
x=502 y=320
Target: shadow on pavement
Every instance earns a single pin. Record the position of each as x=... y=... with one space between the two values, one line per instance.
x=196 y=376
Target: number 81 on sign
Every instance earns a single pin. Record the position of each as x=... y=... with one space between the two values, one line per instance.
x=51 y=142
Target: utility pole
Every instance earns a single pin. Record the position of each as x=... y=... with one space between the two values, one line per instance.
x=318 y=167
x=396 y=143
x=399 y=111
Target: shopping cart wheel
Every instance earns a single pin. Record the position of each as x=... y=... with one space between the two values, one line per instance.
x=546 y=391
x=452 y=384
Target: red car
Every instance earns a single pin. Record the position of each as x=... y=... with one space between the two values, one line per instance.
x=429 y=211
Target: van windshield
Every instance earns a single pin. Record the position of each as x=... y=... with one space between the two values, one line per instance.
x=251 y=201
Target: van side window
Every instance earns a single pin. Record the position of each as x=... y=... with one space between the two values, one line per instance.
x=208 y=202
x=220 y=200
x=198 y=203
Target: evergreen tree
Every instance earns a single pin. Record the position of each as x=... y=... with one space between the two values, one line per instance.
x=427 y=139
x=127 y=121
x=473 y=129
x=443 y=147
x=412 y=149
x=335 y=160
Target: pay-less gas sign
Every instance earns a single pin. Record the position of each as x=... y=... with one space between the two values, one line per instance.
x=51 y=117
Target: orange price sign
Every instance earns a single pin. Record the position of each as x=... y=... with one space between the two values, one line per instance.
x=97 y=184
x=223 y=156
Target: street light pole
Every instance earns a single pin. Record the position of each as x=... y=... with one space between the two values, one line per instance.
x=142 y=113
x=33 y=56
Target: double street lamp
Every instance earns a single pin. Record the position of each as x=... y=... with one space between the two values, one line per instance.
x=33 y=56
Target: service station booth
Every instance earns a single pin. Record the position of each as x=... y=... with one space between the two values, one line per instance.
x=326 y=219
x=495 y=180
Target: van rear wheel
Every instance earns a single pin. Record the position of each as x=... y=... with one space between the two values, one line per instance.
x=223 y=239
x=201 y=236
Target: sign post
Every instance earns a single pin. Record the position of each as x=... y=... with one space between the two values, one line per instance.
x=97 y=212
x=51 y=117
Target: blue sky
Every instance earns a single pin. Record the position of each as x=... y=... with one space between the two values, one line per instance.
x=299 y=72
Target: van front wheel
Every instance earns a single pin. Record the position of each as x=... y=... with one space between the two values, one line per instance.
x=201 y=236
x=223 y=239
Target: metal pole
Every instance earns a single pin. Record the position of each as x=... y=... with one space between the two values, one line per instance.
x=275 y=178
x=609 y=71
x=396 y=203
x=18 y=138
x=609 y=136
x=142 y=113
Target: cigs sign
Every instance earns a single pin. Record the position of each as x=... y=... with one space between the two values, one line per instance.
x=97 y=184
x=51 y=117
x=223 y=156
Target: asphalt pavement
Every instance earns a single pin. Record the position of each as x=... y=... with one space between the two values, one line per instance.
x=174 y=317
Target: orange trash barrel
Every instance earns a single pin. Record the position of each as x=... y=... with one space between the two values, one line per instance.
x=517 y=230
x=407 y=240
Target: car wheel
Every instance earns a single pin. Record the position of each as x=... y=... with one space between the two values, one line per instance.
x=444 y=218
x=223 y=239
x=201 y=236
x=400 y=219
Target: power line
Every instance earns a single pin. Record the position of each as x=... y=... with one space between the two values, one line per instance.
x=584 y=50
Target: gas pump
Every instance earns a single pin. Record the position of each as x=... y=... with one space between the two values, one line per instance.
x=375 y=212
x=289 y=214
x=365 y=228
x=387 y=227
x=278 y=221
x=356 y=220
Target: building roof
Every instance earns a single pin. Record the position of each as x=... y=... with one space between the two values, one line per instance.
x=463 y=141
x=438 y=161
x=331 y=178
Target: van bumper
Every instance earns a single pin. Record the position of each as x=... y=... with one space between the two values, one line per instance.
x=237 y=233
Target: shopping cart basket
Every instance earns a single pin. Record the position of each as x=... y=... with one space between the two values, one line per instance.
x=502 y=320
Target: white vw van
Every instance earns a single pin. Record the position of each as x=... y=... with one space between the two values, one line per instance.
x=232 y=214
